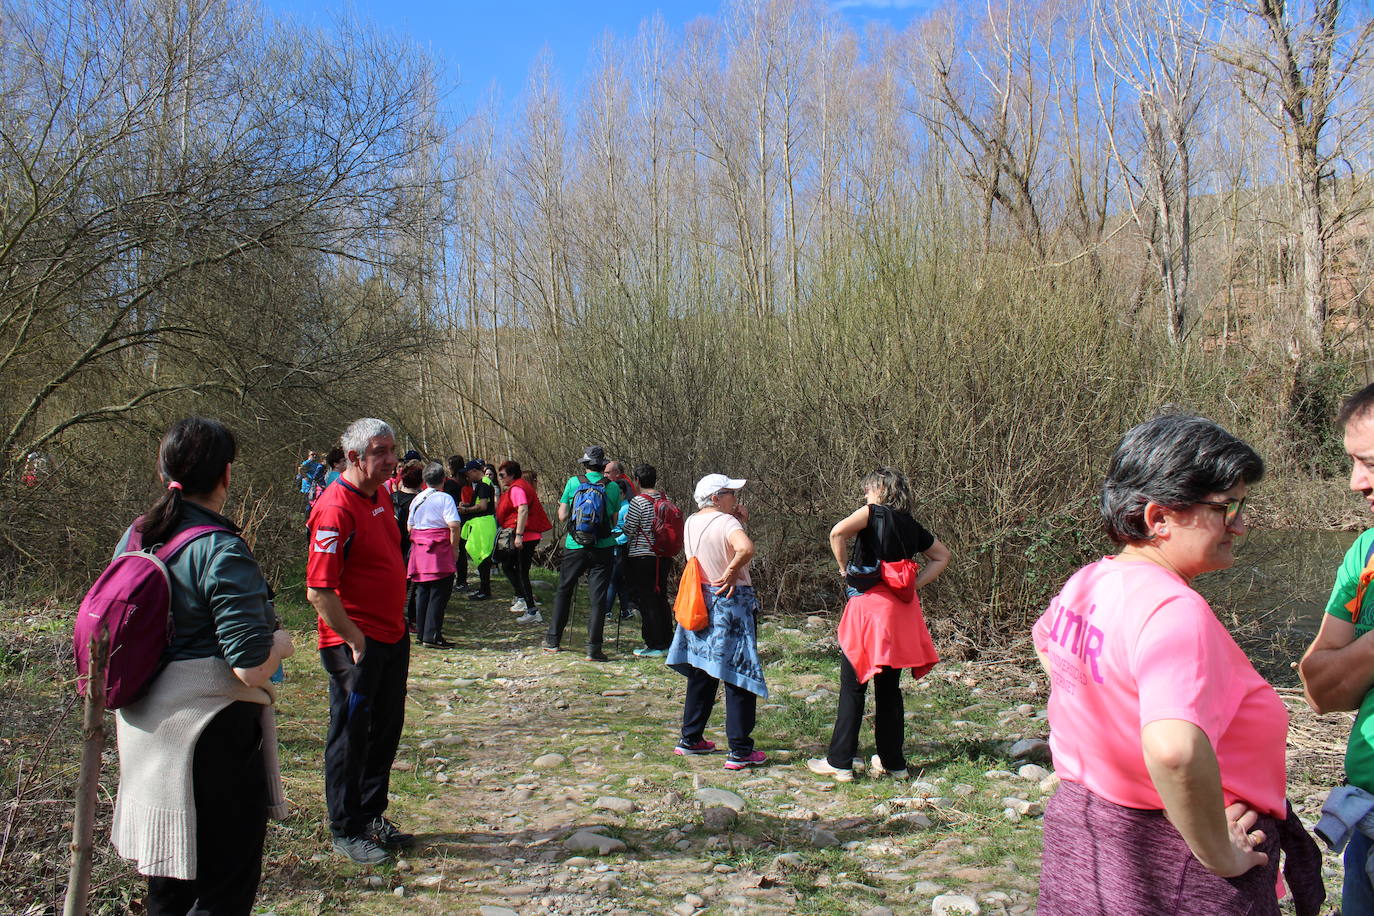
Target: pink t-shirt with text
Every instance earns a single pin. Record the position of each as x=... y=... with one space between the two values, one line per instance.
x=1130 y=643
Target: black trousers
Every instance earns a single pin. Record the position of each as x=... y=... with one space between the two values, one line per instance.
x=887 y=717
x=460 y=557
x=484 y=575
x=596 y=563
x=366 y=715
x=740 y=709
x=431 y=600
x=230 y=790
x=516 y=566
x=647 y=578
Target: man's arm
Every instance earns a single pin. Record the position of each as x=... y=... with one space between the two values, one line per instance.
x=1338 y=668
x=330 y=607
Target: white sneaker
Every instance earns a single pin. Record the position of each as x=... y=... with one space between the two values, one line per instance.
x=519 y=607
x=875 y=767
x=530 y=617
x=821 y=767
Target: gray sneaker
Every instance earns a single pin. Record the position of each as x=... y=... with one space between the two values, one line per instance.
x=530 y=617
x=360 y=849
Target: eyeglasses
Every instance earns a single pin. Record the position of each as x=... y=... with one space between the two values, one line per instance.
x=725 y=492
x=1230 y=510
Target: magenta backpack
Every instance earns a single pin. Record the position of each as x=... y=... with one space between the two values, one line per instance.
x=133 y=600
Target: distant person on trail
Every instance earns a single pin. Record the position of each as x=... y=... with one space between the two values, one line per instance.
x=1169 y=745
x=882 y=630
x=434 y=526
x=587 y=508
x=334 y=460
x=197 y=773
x=410 y=481
x=1338 y=670
x=457 y=487
x=356 y=581
x=619 y=589
x=520 y=510
x=645 y=572
x=479 y=527
x=727 y=649
x=306 y=474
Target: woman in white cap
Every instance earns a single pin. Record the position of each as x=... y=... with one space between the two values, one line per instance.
x=727 y=648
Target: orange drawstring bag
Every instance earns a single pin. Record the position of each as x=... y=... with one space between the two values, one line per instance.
x=689 y=608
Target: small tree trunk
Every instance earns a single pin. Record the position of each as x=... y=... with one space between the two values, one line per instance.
x=83 y=822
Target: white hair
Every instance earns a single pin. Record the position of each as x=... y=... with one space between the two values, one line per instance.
x=361 y=432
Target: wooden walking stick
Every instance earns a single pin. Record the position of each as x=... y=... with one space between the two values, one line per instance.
x=93 y=746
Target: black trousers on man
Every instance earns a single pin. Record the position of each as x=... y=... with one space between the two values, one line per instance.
x=366 y=715
x=595 y=562
x=887 y=717
x=647 y=578
x=229 y=785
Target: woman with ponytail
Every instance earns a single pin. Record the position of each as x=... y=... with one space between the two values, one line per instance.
x=198 y=754
x=882 y=630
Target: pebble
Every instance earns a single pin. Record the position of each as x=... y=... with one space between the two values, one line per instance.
x=787 y=861
x=1036 y=750
x=1032 y=772
x=399 y=891
x=462 y=682
x=922 y=888
x=612 y=803
x=823 y=839
x=962 y=790
x=560 y=703
x=694 y=899
x=496 y=911
x=549 y=761
x=615 y=693
x=587 y=841
x=710 y=796
x=430 y=880
x=577 y=862
x=877 y=911
x=955 y=905
x=718 y=818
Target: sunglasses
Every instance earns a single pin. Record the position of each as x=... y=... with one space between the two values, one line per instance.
x=1230 y=510
x=725 y=492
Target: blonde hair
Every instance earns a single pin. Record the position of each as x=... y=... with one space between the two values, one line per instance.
x=892 y=486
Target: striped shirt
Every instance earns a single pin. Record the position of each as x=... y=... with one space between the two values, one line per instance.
x=638 y=527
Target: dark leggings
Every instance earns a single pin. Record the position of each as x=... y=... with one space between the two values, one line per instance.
x=887 y=717
x=516 y=566
x=229 y=783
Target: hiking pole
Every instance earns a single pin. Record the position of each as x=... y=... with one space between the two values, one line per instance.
x=93 y=745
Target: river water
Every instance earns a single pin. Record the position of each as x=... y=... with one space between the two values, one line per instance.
x=1274 y=597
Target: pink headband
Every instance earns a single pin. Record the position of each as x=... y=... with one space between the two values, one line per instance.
x=173 y=485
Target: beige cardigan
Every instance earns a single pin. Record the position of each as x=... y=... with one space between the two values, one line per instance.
x=155 y=810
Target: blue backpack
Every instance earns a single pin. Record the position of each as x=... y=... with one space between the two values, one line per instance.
x=589 y=522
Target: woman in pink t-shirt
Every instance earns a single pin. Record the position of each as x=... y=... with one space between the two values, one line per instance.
x=1168 y=744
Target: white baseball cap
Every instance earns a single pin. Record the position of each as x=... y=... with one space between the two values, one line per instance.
x=714 y=483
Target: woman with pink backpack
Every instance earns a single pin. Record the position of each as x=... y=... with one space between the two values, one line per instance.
x=198 y=752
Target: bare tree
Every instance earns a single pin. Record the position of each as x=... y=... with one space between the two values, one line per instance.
x=1153 y=51
x=1301 y=66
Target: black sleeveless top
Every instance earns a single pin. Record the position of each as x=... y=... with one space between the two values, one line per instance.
x=891 y=535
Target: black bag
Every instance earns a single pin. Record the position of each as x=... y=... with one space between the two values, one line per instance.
x=858 y=576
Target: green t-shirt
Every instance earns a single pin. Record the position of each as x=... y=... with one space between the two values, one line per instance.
x=1359 y=752
x=613 y=500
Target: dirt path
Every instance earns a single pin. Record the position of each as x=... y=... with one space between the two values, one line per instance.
x=545 y=784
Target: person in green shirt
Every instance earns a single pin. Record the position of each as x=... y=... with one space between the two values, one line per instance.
x=595 y=559
x=1338 y=668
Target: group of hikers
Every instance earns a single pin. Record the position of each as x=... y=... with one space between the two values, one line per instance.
x=1169 y=746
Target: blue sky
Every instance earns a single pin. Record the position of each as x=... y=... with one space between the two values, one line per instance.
x=495 y=42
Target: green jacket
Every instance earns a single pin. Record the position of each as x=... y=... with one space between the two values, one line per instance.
x=221 y=605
